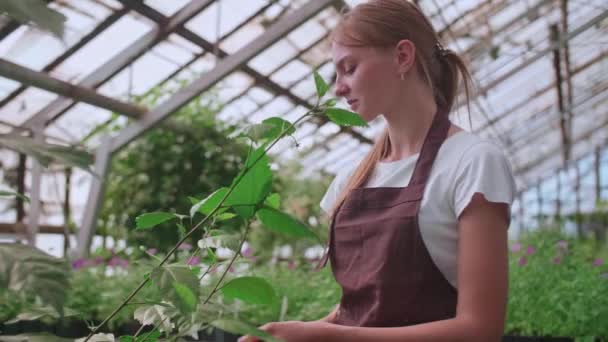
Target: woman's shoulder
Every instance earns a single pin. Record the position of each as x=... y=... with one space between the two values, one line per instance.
x=465 y=146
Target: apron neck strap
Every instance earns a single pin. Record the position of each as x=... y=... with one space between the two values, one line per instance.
x=436 y=135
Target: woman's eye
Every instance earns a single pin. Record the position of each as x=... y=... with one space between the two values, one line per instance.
x=350 y=70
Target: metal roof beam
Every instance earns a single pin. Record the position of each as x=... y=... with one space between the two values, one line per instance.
x=115 y=65
x=44 y=81
x=221 y=70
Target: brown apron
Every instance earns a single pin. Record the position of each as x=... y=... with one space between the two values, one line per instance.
x=377 y=254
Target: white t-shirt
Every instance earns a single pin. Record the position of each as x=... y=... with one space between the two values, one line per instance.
x=465 y=165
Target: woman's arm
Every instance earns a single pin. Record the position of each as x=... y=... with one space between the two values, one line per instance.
x=482 y=284
x=331 y=316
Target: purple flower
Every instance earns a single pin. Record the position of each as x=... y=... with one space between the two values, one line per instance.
x=522 y=261
x=247 y=253
x=116 y=261
x=99 y=260
x=79 y=263
x=557 y=260
x=195 y=260
x=185 y=246
x=516 y=247
x=530 y=250
x=562 y=245
x=598 y=262
x=152 y=251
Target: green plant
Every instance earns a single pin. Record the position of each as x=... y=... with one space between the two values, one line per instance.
x=185 y=304
x=164 y=167
x=558 y=286
x=28 y=275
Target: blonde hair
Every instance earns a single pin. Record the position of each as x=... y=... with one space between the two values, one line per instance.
x=382 y=24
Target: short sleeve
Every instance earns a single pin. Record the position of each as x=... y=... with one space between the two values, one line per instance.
x=334 y=190
x=483 y=169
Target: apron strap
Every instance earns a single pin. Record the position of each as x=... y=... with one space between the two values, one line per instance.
x=432 y=142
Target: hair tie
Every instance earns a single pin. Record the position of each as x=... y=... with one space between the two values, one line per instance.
x=440 y=50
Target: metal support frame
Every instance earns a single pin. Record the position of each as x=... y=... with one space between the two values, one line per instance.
x=577 y=190
x=558 y=200
x=558 y=44
x=67 y=211
x=222 y=69
x=539 y=195
x=21 y=167
x=541 y=92
x=103 y=157
x=598 y=174
x=564 y=120
x=36 y=202
x=115 y=65
x=182 y=97
x=111 y=19
x=582 y=137
x=536 y=130
x=44 y=81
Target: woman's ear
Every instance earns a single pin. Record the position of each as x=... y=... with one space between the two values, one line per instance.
x=405 y=54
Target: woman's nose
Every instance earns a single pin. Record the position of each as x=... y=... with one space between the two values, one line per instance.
x=341 y=89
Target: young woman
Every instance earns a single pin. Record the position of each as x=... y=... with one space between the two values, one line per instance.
x=418 y=234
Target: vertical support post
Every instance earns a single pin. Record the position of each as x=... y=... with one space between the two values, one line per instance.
x=21 y=187
x=522 y=213
x=577 y=187
x=558 y=201
x=598 y=179
x=563 y=121
x=36 y=204
x=67 y=211
x=539 y=195
x=103 y=157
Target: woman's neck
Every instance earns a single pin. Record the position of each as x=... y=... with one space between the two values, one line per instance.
x=409 y=122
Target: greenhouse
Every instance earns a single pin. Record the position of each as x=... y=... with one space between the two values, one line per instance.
x=163 y=163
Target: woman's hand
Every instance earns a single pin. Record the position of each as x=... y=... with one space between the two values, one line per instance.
x=293 y=331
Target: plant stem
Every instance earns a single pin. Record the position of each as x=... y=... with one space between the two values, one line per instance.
x=236 y=254
x=207 y=218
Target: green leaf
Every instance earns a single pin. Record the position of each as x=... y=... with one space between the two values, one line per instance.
x=186 y=295
x=157 y=315
x=36 y=313
x=207 y=205
x=320 y=84
x=254 y=186
x=269 y=130
x=278 y=221
x=181 y=230
x=330 y=103
x=230 y=241
x=210 y=257
x=46 y=153
x=344 y=117
x=252 y=290
x=240 y=328
x=36 y=12
x=31 y=272
x=150 y=220
x=225 y=216
x=166 y=277
x=273 y=201
x=14 y=194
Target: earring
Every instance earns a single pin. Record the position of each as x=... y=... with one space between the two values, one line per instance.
x=402 y=75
